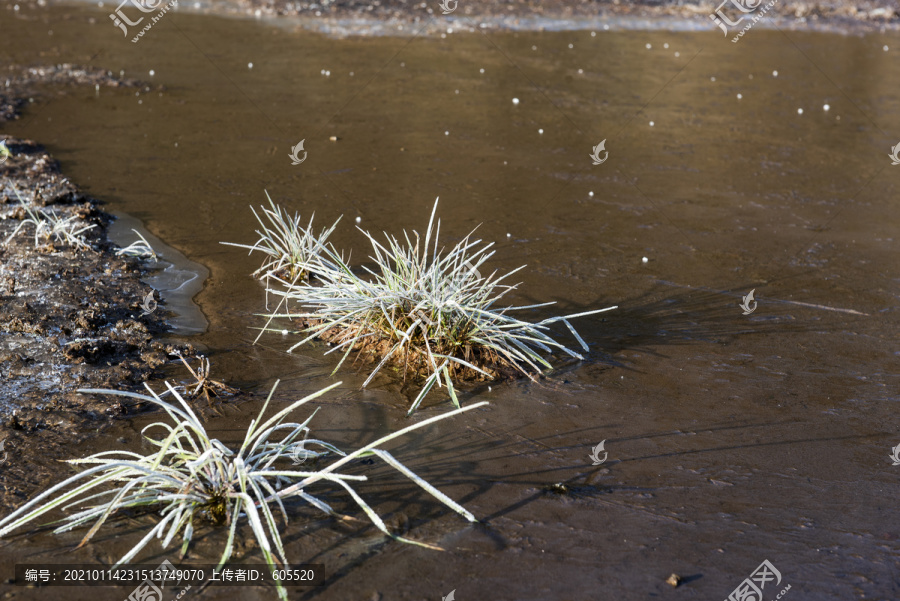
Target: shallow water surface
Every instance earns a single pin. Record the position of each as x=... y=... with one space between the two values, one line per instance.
x=732 y=438
x=173 y=276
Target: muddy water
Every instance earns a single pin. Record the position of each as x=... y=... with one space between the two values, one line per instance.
x=732 y=438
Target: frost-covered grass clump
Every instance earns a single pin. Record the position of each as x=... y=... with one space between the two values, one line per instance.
x=50 y=227
x=424 y=310
x=288 y=247
x=193 y=478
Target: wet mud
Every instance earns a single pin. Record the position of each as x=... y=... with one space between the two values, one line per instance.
x=72 y=315
x=730 y=438
x=73 y=311
x=414 y=17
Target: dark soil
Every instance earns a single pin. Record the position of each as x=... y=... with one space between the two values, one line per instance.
x=71 y=314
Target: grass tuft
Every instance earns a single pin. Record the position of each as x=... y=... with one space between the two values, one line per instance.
x=50 y=227
x=192 y=477
x=204 y=384
x=425 y=310
x=288 y=247
x=139 y=248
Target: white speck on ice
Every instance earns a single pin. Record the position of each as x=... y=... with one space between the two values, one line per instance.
x=666 y=45
x=152 y=72
x=651 y=124
x=774 y=73
x=284 y=332
x=591 y=193
x=644 y=259
x=249 y=65
x=740 y=96
x=515 y=101
x=826 y=107
x=359 y=220
x=799 y=111
x=540 y=131
x=712 y=78
x=481 y=71
x=648 y=46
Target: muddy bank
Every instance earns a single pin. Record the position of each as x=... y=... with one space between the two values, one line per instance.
x=23 y=85
x=73 y=312
x=875 y=12
x=404 y=17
